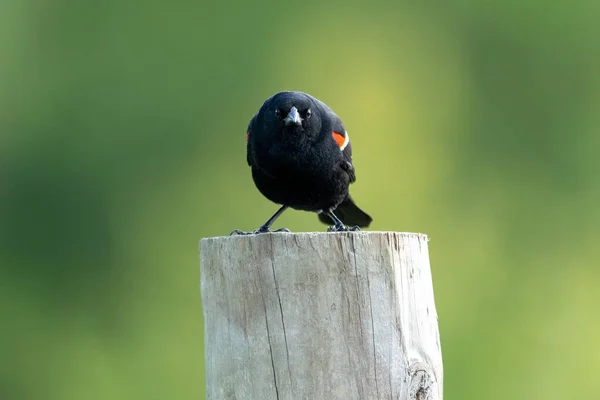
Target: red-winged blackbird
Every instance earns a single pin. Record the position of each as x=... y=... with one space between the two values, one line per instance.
x=301 y=157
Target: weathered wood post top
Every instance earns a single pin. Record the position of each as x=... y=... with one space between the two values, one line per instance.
x=320 y=316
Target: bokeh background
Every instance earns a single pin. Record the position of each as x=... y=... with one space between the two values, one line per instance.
x=122 y=143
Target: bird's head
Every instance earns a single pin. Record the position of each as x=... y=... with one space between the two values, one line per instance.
x=293 y=115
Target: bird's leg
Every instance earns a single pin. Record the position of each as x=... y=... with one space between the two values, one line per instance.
x=265 y=227
x=339 y=225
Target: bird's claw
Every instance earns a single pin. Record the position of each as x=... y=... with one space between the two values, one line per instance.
x=343 y=228
x=257 y=231
x=237 y=232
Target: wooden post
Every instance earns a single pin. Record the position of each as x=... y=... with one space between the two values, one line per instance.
x=320 y=316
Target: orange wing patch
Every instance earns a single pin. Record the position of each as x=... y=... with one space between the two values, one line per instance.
x=341 y=139
x=247 y=136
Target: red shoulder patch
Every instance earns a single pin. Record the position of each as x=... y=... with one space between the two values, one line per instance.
x=342 y=139
x=247 y=136
x=339 y=138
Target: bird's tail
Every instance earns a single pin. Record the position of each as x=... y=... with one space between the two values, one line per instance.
x=349 y=213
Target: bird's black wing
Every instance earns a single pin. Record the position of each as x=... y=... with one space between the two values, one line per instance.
x=248 y=131
x=340 y=135
x=347 y=165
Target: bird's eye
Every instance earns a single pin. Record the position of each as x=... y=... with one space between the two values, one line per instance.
x=278 y=113
x=308 y=113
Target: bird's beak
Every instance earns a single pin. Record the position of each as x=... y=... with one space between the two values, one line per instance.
x=293 y=118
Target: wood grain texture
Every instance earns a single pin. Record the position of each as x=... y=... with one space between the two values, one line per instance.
x=320 y=316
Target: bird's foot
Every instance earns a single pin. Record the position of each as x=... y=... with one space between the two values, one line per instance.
x=237 y=232
x=343 y=228
x=257 y=231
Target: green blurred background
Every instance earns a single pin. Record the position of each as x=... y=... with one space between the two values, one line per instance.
x=122 y=143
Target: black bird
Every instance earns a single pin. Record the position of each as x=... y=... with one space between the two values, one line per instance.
x=301 y=157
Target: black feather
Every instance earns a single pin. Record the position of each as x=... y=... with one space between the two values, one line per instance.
x=349 y=213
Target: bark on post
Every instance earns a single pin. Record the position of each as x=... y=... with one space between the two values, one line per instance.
x=320 y=316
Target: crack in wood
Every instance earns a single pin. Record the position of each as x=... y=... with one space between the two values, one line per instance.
x=270 y=345
x=287 y=351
